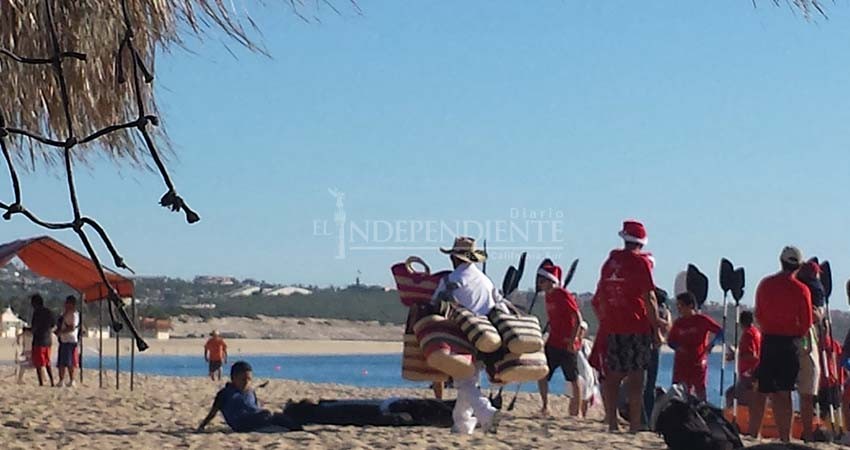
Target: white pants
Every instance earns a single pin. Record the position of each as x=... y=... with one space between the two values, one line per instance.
x=471 y=406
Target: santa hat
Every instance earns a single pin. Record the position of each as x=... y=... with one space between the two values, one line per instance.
x=550 y=272
x=634 y=231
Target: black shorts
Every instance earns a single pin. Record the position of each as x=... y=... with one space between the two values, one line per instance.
x=568 y=362
x=214 y=366
x=779 y=364
x=628 y=352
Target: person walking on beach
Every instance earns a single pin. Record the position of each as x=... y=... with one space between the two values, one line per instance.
x=562 y=344
x=239 y=405
x=43 y=323
x=749 y=350
x=68 y=331
x=689 y=338
x=470 y=287
x=215 y=353
x=664 y=324
x=625 y=302
x=784 y=312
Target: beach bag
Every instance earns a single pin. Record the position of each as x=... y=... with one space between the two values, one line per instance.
x=415 y=287
x=414 y=367
x=520 y=368
x=445 y=346
x=688 y=423
x=478 y=329
x=520 y=332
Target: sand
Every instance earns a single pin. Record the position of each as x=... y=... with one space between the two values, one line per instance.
x=163 y=412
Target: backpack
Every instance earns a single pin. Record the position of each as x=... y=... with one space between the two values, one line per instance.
x=688 y=423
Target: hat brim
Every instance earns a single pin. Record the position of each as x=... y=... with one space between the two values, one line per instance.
x=629 y=238
x=474 y=256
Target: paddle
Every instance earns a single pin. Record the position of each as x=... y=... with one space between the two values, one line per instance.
x=727 y=273
x=509 y=285
x=697 y=284
x=826 y=280
x=737 y=287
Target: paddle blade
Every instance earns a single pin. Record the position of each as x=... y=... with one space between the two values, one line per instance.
x=697 y=284
x=826 y=279
x=508 y=281
x=680 y=286
x=727 y=273
x=847 y=289
x=512 y=404
x=738 y=284
x=520 y=270
x=570 y=273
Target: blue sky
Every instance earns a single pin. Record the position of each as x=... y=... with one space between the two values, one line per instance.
x=722 y=127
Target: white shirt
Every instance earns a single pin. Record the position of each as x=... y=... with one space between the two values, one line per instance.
x=70 y=337
x=474 y=290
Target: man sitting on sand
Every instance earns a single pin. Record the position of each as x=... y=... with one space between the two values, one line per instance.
x=240 y=408
x=215 y=353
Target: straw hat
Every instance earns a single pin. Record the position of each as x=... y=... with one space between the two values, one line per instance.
x=464 y=250
x=214 y=333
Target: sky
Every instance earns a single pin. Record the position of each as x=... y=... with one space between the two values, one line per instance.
x=721 y=126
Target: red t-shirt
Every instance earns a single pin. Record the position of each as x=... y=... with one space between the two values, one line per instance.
x=749 y=346
x=783 y=306
x=563 y=313
x=689 y=337
x=625 y=280
x=833 y=353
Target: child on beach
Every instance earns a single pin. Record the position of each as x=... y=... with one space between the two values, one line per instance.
x=689 y=338
x=240 y=408
x=24 y=358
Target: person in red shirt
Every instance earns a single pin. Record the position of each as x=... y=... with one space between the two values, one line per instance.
x=625 y=303
x=784 y=314
x=562 y=344
x=749 y=350
x=689 y=338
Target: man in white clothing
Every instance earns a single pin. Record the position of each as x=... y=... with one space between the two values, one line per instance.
x=68 y=329
x=470 y=287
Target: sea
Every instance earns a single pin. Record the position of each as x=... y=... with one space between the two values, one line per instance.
x=373 y=371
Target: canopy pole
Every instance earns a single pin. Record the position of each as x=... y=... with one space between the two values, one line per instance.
x=132 y=347
x=100 y=347
x=117 y=361
x=82 y=298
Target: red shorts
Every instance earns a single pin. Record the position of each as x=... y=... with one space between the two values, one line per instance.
x=40 y=356
x=695 y=375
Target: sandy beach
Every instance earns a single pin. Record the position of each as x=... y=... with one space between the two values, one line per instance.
x=163 y=412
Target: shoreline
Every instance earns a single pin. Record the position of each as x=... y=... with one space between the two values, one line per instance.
x=236 y=347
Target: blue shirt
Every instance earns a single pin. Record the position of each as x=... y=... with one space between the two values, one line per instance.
x=236 y=405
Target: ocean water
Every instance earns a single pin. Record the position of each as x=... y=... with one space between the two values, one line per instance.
x=383 y=371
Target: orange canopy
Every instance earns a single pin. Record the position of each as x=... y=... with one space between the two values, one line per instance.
x=51 y=259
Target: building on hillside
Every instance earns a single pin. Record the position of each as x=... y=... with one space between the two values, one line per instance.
x=245 y=291
x=287 y=291
x=160 y=329
x=215 y=280
x=11 y=323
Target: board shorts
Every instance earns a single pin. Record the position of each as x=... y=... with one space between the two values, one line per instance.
x=779 y=364
x=40 y=356
x=809 y=376
x=568 y=362
x=628 y=352
x=67 y=355
x=214 y=366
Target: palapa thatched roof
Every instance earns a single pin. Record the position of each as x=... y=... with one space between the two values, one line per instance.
x=30 y=97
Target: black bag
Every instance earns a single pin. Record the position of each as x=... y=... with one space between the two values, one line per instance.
x=688 y=423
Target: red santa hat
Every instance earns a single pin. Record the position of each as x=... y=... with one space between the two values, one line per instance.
x=634 y=231
x=550 y=272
